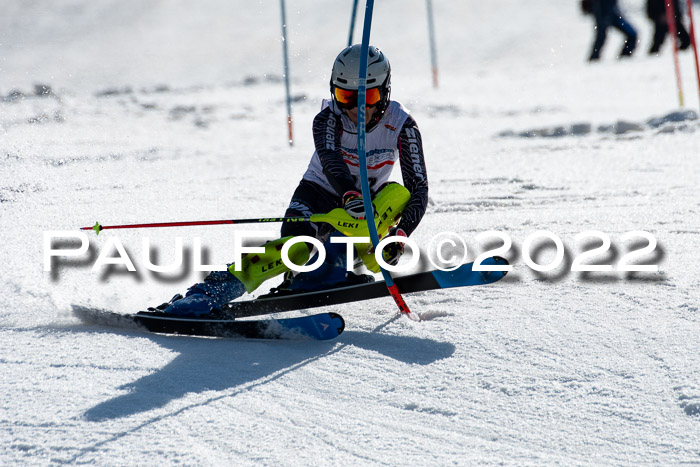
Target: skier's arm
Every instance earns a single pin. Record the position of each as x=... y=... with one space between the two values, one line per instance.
x=415 y=176
x=327 y=129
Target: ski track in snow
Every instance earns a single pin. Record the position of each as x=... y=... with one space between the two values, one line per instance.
x=158 y=113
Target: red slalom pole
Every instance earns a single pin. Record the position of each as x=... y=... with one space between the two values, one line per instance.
x=285 y=54
x=671 y=22
x=694 y=42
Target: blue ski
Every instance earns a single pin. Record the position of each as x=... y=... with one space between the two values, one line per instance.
x=463 y=276
x=321 y=326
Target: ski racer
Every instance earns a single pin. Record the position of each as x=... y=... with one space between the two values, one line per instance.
x=332 y=180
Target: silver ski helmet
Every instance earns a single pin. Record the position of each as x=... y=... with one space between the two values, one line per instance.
x=345 y=78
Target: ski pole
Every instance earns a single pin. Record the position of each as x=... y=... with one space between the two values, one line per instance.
x=671 y=22
x=99 y=228
x=694 y=42
x=337 y=217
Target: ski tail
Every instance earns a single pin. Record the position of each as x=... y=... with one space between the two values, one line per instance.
x=321 y=326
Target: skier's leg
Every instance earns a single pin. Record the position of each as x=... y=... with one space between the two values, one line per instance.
x=602 y=22
x=308 y=199
x=660 y=31
x=630 y=33
x=389 y=203
x=257 y=268
x=683 y=36
x=331 y=273
x=220 y=287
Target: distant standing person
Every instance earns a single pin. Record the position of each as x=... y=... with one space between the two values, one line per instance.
x=656 y=11
x=607 y=13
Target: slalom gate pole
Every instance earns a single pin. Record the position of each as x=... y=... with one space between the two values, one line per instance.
x=693 y=41
x=352 y=22
x=362 y=155
x=671 y=22
x=431 y=37
x=99 y=228
x=285 y=53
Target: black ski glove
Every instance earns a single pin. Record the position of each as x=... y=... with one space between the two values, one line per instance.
x=393 y=251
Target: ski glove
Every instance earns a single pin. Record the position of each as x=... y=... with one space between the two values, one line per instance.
x=354 y=205
x=393 y=251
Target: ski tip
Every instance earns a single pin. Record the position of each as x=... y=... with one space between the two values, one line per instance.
x=499 y=260
x=338 y=322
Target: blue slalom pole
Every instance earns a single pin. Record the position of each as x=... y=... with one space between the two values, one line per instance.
x=431 y=37
x=352 y=22
x=285 y=53
x=362 y=155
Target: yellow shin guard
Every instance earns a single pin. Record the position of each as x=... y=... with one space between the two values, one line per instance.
x=256 y=268
x=389 y=204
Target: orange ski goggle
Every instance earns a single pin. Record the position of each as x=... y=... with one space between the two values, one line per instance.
x=348 y=98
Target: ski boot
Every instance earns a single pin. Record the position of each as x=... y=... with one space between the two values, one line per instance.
x=206 y=298
x=221 y=287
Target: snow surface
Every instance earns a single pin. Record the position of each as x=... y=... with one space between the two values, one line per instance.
x=160 y=110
